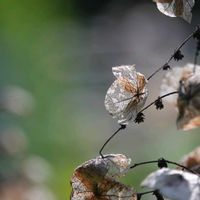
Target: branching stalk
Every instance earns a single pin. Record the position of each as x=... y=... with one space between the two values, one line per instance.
x=107 y=141
x=161 y=97
x=172 y=56
x=167 y=161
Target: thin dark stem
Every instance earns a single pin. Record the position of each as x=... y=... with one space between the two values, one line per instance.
x=167 y=161
x=161 y=97
x=107 y=141
x=179 y=165
x=172 y=56
x=143 y=163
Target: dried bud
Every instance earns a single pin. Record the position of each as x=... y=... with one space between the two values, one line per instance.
x=166 y=67
x=159 y=104
x=178 y=55
x=162 y=163
x=139 y=118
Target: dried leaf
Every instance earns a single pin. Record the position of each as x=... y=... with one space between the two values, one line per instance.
x=127 y=95
x=192 y=160
x=174 y=184
x=176 y=8
x=96 y=179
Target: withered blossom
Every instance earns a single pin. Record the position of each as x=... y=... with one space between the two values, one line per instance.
x=127 y=95
x=187 y=101
x=174 y=184
x=96 y=179
x=176 y=8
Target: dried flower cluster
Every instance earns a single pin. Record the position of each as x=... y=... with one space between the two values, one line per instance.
x=97 y=179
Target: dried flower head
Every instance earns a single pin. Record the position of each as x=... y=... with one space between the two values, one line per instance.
x=192 y=160
x=189 y=103
x=187 y=83
x=171 y=80
x=174 y=184
x=96 y=179
x=127 y=95
x=176 y=8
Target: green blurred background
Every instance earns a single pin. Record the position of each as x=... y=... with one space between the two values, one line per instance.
x=59 y=55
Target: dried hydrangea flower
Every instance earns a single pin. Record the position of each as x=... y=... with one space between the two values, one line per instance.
x=192 y=160
x=189 y=103
x=171 y=80
x=176 y=8
x=127 y=95
x=187 y=83
x=174 y=184
x=96 y=179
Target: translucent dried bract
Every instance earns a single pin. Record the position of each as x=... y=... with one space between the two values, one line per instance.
x=176 y=8
x=192 y=160
x=96 y=179
x=127 y=95
x=174 y=184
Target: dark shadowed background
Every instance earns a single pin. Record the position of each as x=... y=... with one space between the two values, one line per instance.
x=55 y=68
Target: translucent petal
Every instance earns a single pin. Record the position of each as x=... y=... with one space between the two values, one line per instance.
x=176 y=8
x=127 y=95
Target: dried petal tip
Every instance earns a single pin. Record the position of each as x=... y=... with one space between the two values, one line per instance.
x=139 y=118
x=159 y=104
x=127 y=94
x=178 y=55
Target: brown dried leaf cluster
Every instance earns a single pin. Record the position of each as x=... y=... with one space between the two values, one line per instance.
x=95 y=180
